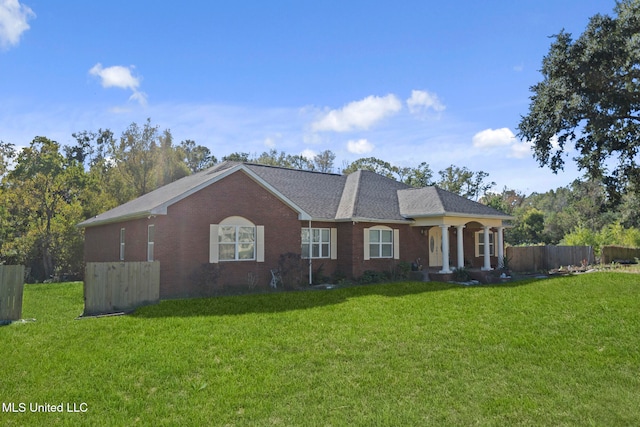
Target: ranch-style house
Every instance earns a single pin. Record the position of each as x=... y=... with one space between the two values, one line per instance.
x=237 y=221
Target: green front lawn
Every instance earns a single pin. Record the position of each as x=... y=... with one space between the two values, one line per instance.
x=562 y=351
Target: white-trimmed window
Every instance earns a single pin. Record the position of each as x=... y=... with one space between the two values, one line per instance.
x=151 y=233
x=381 y=242
x=237 y=242
x=236 y=239
x=319 y=242
x=122 y=244
x=316 y=242
x=480 y=243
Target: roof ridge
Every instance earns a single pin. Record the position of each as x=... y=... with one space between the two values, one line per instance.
x=289 y=169
x=439 y=193
x=349 y=196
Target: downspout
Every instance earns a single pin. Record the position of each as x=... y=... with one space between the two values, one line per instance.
x=310 y=252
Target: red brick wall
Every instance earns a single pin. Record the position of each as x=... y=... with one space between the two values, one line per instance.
x=351 y=241
x=183 y=245
x=102 y=243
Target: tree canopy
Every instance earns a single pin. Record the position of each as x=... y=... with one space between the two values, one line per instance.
x=590 y=97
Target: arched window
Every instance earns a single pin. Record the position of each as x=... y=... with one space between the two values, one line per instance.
x=236 y=239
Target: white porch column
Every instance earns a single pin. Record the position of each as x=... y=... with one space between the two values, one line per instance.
x=500 y=247
x=460 y=240
x=487 y=256
x=445 y=249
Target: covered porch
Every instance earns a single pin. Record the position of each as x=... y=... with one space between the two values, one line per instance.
x=459 y=232
x=456 y=242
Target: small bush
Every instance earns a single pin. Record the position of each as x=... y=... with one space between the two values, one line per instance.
x=319 y=277
x=338 y=276
x=291 y=267
x=401 y=271
x=371 y=276
x=461 y=274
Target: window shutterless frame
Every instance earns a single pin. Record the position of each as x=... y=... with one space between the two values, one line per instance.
x=122 y=235
x=151 y=231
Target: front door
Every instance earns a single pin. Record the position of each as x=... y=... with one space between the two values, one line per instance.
x=435 y=247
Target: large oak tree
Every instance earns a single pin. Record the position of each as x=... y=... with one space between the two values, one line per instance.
x=590 y=98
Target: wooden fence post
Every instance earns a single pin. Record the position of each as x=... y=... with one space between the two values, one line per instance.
x=11 y=290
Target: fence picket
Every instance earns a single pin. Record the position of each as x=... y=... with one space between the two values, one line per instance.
x=120 y=286
x=613 y=253
x=540 y=258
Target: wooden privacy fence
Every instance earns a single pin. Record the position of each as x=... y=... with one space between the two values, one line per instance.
x=619 y=254
x=112 y=287
x=11 y=287
x=537 y=258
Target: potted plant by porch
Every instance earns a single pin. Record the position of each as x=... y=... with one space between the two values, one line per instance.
x=503 y=269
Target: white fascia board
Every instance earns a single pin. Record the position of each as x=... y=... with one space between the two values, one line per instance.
x=129 y=217
x=372 y=220
x=461 y=215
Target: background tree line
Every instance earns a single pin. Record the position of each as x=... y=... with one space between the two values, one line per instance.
x=46 y=189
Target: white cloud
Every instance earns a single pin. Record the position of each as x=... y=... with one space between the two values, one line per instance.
x=504 y=137
x=308 y=154
x=521 y=149
x=358 y=114
x=120 y=77
x=360 y=146
x=489 y=138
x=13 y=22
x=116 y=76
x=422 y=100
x=141 y=97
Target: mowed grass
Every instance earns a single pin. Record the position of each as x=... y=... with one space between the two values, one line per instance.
x=562 y=351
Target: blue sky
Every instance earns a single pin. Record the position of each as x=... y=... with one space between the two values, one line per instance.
x=404 y=81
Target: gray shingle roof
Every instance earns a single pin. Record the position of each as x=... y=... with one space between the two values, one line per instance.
x=368 y=195
x=318 y=194
x=362 y=195
x=434 y=201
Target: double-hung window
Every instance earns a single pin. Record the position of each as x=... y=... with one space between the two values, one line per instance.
x=236 y=239
x=380 y=243
x=316 y=242
x=236 y=242
x=480 y=243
